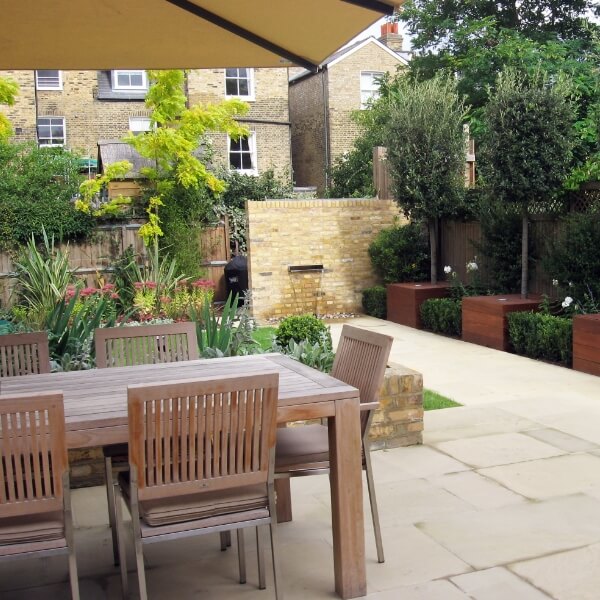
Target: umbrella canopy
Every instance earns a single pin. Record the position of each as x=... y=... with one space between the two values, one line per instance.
x=160 y=34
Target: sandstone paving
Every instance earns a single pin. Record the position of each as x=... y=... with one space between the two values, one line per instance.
x=561 y=440
x=434 y=590
x=571 y=575
x=495 y=537
x=471 y=421
x=500 y=449
x=497 y=583
x=550 y=477
x=478 y=490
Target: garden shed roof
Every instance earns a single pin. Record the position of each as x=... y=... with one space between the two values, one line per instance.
x=112 y=151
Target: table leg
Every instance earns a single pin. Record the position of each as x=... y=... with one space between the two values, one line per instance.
x=284 y=500
x=346 y=500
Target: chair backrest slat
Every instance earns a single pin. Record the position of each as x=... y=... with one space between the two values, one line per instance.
x=146 y=344
x=33 y=453
x=187 y=436
x=24 y=354
x=361 y=360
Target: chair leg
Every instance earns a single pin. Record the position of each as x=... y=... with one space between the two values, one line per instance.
x=272 y=528
x=225 y=540
x=139 y=555
x=73 y=575
x=373 y=503
x=261 y=562
x=110 y=496
x=121 y=540
x=241 y=555
x=69 y=537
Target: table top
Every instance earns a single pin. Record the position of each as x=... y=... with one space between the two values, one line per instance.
x=96 y=399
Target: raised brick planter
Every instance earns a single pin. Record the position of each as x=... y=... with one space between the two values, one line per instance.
x=586 y=343
x=399 y=419
x=484 y=319
x=404 y=300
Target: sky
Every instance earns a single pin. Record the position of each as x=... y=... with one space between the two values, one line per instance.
x=375 y=31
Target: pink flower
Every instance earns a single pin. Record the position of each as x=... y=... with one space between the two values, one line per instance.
x=114 y=296
x=165 y=299
x=204 y=283
x=150 y=285
x=88 y=291
x=108 y=287
x=138 y=285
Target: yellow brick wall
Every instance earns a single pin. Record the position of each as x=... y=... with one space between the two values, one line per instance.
x=314 y=148
x=344 y=94
x=334 y=233
x=89 y=120
x=307 y=114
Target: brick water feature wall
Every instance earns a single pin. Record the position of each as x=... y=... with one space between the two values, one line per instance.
x=284 y=235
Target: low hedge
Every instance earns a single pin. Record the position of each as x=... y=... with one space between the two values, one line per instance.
x=374 y=301
x=442 y=315
x=542 y=336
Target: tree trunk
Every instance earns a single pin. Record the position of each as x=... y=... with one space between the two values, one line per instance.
x=431 y=224
x=524 y=254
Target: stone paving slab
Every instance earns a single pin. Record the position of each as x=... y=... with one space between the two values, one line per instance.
x=497 y=584
x=435 y=590
x=572 y=575
x=471 y=421
x=561 y=440
x=479 y=491
x=495 y=537
x=551 y=477
x=500 y=449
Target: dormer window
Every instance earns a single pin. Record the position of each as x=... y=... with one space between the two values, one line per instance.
x=129 y=80
x=48 y=80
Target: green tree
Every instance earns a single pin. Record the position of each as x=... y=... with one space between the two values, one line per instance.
x=175 y=139
x=426 y=152
x=528 y=145
x=476 y=40
x=37 y=186
x=8 y=92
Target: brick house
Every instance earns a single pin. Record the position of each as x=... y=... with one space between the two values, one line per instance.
x=77 y=109
x=321 y=104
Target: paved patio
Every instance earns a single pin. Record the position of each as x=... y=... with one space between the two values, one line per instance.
x=502 y=501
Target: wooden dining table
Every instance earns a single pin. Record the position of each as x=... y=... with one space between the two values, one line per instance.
x=96 y=415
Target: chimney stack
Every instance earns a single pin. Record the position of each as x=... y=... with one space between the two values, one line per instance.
x=390 y=36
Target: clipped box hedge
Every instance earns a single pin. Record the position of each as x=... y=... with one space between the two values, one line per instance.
x=442 y=315
x=541 y=336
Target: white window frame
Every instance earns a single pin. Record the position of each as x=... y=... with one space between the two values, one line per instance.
x=139 y=119
x=373 y=90
x=41 y=86
x=250 y=96
x=125 y=88
x=64 y=126
x=253 y=156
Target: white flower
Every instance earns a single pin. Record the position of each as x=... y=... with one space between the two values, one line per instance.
x=567 y=302
x=472 y=266
x=447 y=269
x=555 y=282
x=570 y=284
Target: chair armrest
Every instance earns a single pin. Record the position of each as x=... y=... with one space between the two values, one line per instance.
x=365 y=406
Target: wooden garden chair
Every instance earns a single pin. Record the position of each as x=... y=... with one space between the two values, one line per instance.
x=202 y=460
x=360 y=361
x=129 y=346
x=35 y=506
x=24 y=354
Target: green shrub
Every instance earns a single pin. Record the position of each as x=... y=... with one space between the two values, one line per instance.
x=501 y=246
x=442 y=315
x=300 y=328
x=315 y=355
x=543 y=336
x=36 y=188
x=573 y=258
x=374 y=301
x=401 y=253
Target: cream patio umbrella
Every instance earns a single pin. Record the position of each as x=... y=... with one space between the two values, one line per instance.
x=159 y=34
